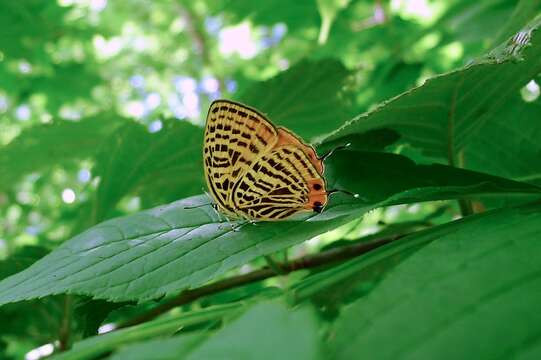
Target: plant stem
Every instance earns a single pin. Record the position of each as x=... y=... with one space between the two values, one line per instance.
x=65 y=326
x=465 y=205
x=306 y=262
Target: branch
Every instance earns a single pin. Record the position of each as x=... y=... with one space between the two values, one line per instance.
x=65 y=326
x=306 y=262
x=464 y=204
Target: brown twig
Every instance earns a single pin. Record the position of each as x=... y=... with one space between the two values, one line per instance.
x=65 y=326
x=306 y=262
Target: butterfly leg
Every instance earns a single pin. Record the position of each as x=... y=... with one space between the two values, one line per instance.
x=223 y=218
x=238 y=226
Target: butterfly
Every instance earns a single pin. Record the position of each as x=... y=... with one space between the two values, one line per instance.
x=257 y=171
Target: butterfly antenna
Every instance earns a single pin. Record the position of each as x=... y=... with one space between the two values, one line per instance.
x=343 y=191
x=330 y=152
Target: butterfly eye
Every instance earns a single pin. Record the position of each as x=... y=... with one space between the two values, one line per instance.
x=317 y=187
x=318 y=206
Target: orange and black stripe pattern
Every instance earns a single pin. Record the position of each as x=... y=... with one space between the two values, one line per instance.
x=255 y=170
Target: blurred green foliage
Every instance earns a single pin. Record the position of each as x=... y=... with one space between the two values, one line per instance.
x=102 y=105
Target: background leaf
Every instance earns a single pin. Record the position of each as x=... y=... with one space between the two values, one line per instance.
x=158 y=167
x=310 y=92
x=53 y=144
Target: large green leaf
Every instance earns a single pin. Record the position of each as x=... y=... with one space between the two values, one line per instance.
x=444 y=114
x=43 y=146
x=242 y=338
x=155 y=252
x=308 y=98
x=172 y=247
x=468 y=285
x=257 y=332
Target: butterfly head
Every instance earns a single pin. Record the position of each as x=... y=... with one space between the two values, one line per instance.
x=317 y=198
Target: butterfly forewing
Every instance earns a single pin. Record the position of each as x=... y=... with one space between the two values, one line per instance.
x=235 y=136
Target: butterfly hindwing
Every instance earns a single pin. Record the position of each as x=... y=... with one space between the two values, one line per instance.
x=276 y=186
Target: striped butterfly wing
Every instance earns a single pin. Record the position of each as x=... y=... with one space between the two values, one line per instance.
x=235 y=137
x=277 y=186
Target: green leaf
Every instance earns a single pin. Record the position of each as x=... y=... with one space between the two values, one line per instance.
x=512 y=138
x=21 y=259
x=464 y=280
x=35 y=322
x=308 y=98
x=102 y=344
x=173 y=348
x=28 y=25
x=172 y=247
x=38 y=321
x=156 y=252
x=330 y=288
x=254 y=334
x=372 y=179
x=258 y=331
x=77 y=81
x=160 y=167
x=444 y=114
x=390 y=79
x=296 y=15
x=43 y=146
x=475 y=22
x=90 y=314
